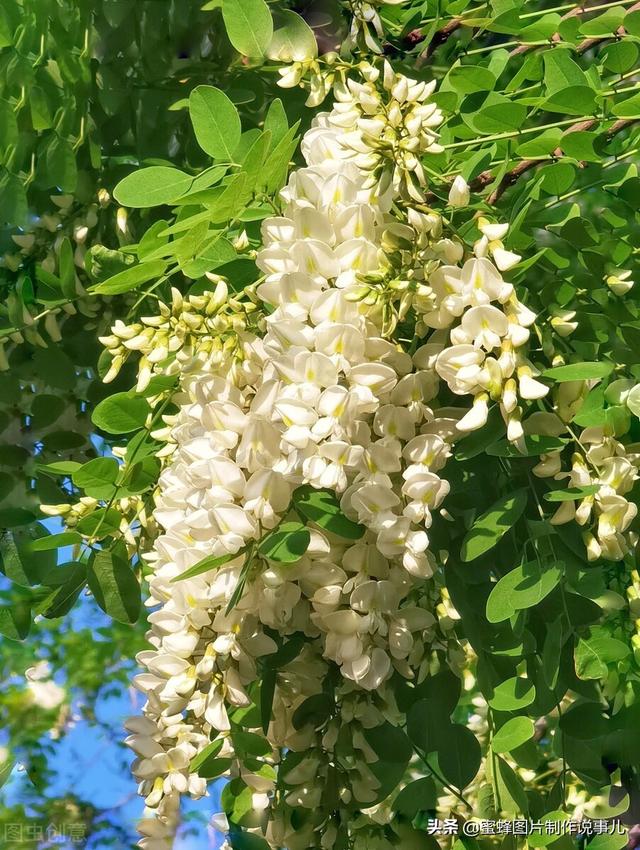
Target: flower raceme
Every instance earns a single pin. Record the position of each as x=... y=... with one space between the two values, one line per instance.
x=315 y=390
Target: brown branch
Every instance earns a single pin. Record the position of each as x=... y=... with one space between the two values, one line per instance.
x=584 y=45
x=439 y=37
x=487 y=177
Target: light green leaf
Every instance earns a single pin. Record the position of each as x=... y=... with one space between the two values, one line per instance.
x=151 y=187
x=131 y=278
x=55 y=541
x=572 y=493
x=579 y=372
x=215 y=121
x=207 y=564
x=97 y=477
x=249 y=26
x=209 y=752
x=594 y=654
x=521 y=588
x=120 y=413
x=513 y=694
x=513 y=734
x=61 y=467
x=322 y=507
x=293 y=39
x=471 y=78
x=286 y=544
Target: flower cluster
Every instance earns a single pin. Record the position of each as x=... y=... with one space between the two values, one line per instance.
x=209 y=322
x=366 y=26
x=606 y=472
x=316 y=396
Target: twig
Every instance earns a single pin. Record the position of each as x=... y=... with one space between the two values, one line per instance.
x=438 y=38
x=487 y=177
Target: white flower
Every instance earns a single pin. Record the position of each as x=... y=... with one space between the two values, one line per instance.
x=459 y=194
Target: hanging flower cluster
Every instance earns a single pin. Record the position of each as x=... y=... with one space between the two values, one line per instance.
x=604 y=473
x=315 y=410
x=366 y=26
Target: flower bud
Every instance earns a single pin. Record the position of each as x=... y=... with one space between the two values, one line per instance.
x=459 y=194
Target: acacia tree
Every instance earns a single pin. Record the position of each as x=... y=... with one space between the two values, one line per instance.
x=367 y=420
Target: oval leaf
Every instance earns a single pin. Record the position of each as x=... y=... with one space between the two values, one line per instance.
x=215 y=121
x=489 y=528
x=120 y=413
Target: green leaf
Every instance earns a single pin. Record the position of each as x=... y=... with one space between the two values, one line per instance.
x=489 y=528
x=534 y=445
x=61 y=467
x=513 y=734
x=131 y=278
x=250 y=744
x=209 y=752
x=633 y=400
x=101 y=523
x=20 y=563
x=15 y=620
x=467 y=79
x=67 y=268
x=572 y=493
x=459 y=755
x=579 y=145
x=620 y=56
x=629 y=108
x=276 y=122
x=56 y=541
x=215 y=121
x=512 y=695
x=120 y=413
x=286 y=544
x=151 y=187
x=114 y=586
x=207 y=564
x=97 y=477
x=293 y=39
x=561 y=72
x=214 y=767
x=578 y=372
x=322 y=508
x=315 y=710
x=511 y=794
x=241 y=840
x=277 y=164
x=417 y=796
x=548 y=835
x=521 y=588
x=575 y=100
x=61 y=168
x=584 y=721
x=249 y=26
x=6 y=769
x=393 y=749
x=557 y=178
x=68 y=581
x=594 y=654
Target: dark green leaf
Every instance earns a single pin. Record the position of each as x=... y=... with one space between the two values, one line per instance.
x=489 y=528
x=115 y=587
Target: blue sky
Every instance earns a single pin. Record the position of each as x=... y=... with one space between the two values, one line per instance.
x=89 y=762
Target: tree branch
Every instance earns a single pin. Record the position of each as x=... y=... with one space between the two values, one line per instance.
x=440 y=37
x=487 y=177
